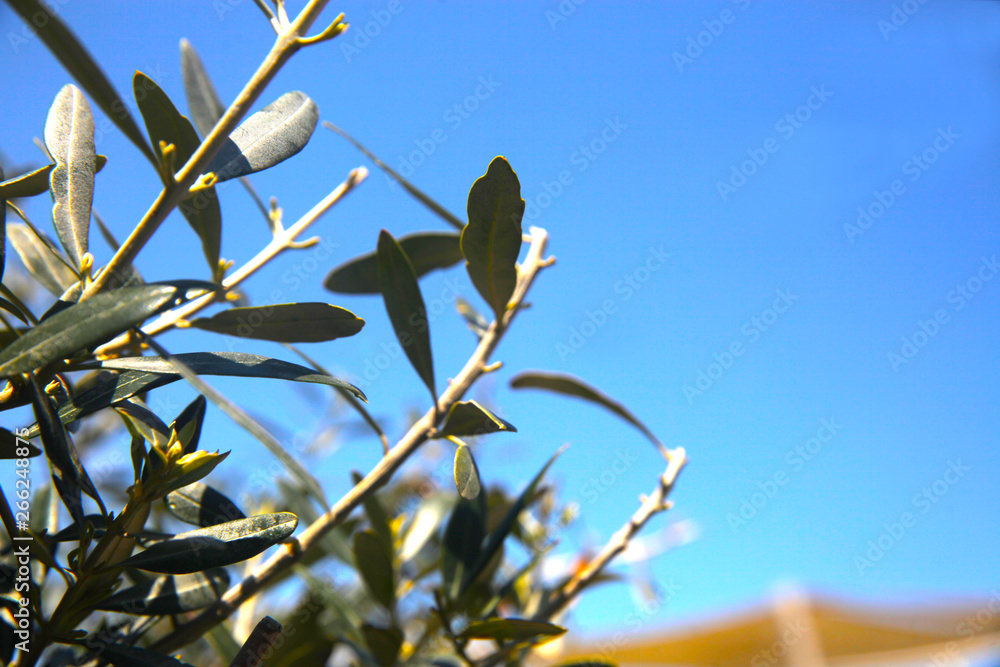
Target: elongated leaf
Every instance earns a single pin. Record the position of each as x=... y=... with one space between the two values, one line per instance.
x=188 y=423
x=165 y=124
x=405 y=306
x=13 y=447
x=169 y=594
x=427 y=251
x=491 y=241
x=140 y=420
x=375 y=567
x=272 y=135
x=215 y=546
x=67 y=48
x=384 y=643
x=201 y=505
x=46 y=264
x=469 y=418
x=561 y=383
x=378 y=518
x=463 y=543
x=147 y=373
x=68 y=474
x=122 y=655
x=497 y=536
x=69 y=137
x=203 y=101
x=34 y=183
x=504 y=629
x=417 y=194
x=284 y=322
x=85 y=324
x=466 y=473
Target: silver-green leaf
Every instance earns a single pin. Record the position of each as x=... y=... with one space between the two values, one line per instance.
x=69 y=137
x=215 y=546
x=272 y=135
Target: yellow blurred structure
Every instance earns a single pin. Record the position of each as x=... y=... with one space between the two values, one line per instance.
x=798 y=630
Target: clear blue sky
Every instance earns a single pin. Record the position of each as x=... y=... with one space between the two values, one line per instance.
x=738 y=138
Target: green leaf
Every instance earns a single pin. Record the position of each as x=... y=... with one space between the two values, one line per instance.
x=491 y=241
x=284 y=322
x=69 y=137
x=140 y=420
x=497 y=536
x=36 y=182
x=405 y=306
x=121 y=655
x=169 y=594
x=68 y=474
x=164 y=123
x=67 y=48
x=272 y=135
x=188 y=423
x=146 y=373
x=469 y=418
x=203 y=101
x=46 y=264
x=505 y=629
x=215 y=546
x=10 y=444
x=201 y=505
x=462 y=547
x=441 y=211
x=378 y=518
x=427 y=251
x=573 y=386
x=466 y=473
x=83 y=325
x=375 y=567
x=384 y=643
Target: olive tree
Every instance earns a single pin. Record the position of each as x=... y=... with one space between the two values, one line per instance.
x=88 y=580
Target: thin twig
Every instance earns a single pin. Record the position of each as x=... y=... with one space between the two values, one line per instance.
x=288 y=41
x=281 y=242
x=650 y=507
x=295 y=548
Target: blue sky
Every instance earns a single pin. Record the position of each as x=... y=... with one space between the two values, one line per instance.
x=812 y=187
